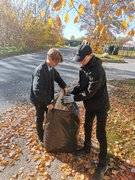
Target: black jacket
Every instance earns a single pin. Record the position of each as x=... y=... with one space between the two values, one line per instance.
x=42 y=88
x=92 y=88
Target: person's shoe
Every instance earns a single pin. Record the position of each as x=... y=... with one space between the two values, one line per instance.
x=81 y=152
x=99 y=173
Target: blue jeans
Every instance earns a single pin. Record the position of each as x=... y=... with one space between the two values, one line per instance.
x=100 y=131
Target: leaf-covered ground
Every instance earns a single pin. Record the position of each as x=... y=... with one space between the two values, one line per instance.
x=23 y=158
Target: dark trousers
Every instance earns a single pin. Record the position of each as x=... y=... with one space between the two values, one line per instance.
x=100 y=132
x=40 y=110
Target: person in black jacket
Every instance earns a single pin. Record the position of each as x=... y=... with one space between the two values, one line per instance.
x=42 y=88
x=92 y=90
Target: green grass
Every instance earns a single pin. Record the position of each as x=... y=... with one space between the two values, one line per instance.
x=9 y=51
x=115 y=58
x=124 y=52
x=128 y=82
x=120 y=124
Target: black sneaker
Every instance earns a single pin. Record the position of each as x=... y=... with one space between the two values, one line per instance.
x=99 y=173
x=82 y=151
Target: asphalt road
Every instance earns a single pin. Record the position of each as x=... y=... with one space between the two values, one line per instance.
x=15 y=74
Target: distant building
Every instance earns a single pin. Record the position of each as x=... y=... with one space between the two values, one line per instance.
x=129 y=44
x=73 y=43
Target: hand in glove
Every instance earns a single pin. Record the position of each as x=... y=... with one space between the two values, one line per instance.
x=68 y=99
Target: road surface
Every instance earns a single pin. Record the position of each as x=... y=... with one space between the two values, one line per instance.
x=15 y=78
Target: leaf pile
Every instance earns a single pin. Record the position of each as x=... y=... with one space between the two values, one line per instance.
x=24 y=158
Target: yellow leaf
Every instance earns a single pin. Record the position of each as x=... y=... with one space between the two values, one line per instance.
x=58 y=20
x=63 y=2
x=98 y=13
x=79 y=177
x=80 y=10
x=131 y=33
x=103 y=32
x=130 y=18
x=119 y=12
x=49 y=2
x=42 y=163
x=37 y=157
x=101 y=26
x=71 y=4
x=50 y=21
x=66 y=17
x=124 y=24
x=107 y=178
x=58 y=5
x=47 y=164
x=96 y=2
x=117 y=150
x=114 y=1
x=12 y=163
x=42 y=14
x=64 y=166
x=114 y=172
x=4 y=162
x=76 y=19
x=111 y=16
x=92 y=171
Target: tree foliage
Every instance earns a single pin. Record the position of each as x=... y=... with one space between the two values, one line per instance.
x=100 y=18
x=32 y=24
x=25 y=24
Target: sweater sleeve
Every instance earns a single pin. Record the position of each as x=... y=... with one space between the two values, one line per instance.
x=92 y=88
x=39 y=91
x=59 y=80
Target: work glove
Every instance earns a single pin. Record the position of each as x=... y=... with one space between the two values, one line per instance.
x=68 y=99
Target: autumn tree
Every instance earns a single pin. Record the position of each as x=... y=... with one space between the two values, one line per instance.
x=105 y=18
x=25 y=24
x=116 y=10
x=103 y=21
x=100 y=18
x=9 y=24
